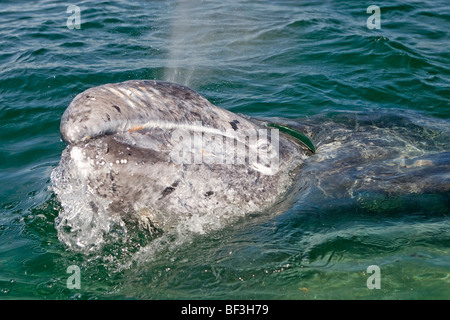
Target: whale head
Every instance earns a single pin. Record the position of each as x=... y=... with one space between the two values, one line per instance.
x=157 y=154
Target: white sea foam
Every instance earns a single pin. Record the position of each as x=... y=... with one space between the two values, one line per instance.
x=80 y=226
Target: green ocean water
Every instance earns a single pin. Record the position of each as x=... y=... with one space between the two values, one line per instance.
x=268 y=59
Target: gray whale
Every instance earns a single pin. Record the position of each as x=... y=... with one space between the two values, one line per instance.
x=157 y=153
x=158 y=156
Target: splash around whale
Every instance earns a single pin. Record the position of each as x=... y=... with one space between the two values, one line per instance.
x=156 y=157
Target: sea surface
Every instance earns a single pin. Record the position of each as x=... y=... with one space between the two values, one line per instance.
x=296 y=60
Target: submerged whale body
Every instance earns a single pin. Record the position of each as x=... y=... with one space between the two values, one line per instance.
x=157 y=155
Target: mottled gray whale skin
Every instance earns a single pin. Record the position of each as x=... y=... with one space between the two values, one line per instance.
x=125 y=161
x=121 y=140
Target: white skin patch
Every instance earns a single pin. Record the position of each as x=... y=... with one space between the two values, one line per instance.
x=127 y=93
x=137 y=92
x=131 y=104
x=116 y=92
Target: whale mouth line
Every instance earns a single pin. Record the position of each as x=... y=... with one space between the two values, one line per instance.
x=182 y=126
x=198 y=127
x=135 y=127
